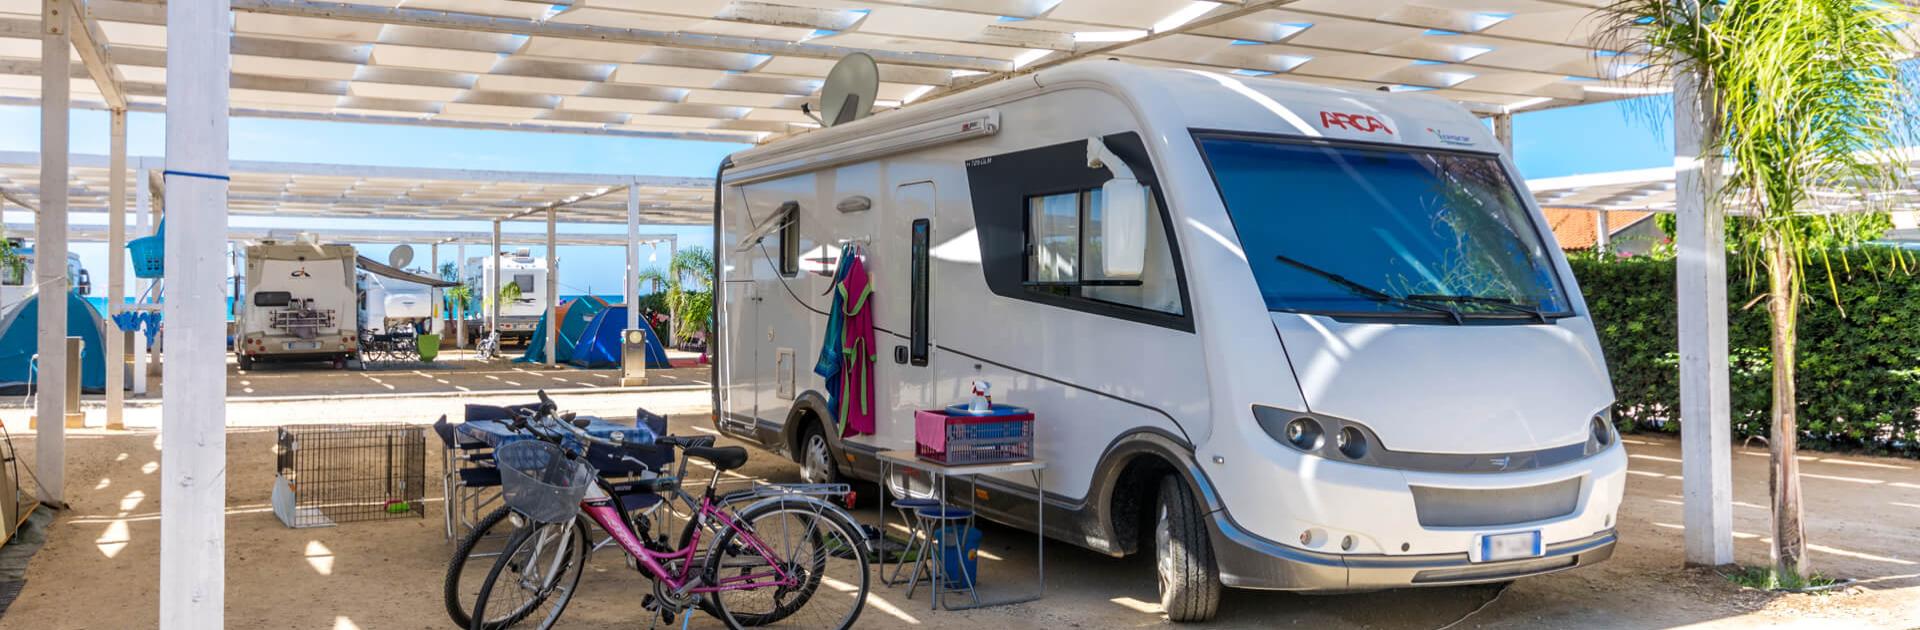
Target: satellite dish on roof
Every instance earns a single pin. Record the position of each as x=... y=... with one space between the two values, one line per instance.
x=400 y=257
x=850 y=89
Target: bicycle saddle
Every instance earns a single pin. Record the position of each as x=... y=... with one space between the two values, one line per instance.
x=722 y=457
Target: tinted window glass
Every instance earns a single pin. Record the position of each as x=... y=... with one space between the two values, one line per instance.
x=1400 y=221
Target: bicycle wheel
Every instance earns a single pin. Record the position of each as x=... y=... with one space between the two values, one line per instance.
x=471 y=561
x=533 y=578
x=824 y=554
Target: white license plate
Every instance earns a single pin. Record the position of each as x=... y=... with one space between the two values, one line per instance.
x=1511 y=546
x=303 y=345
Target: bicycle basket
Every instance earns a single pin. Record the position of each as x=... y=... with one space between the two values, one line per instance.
x=540 y=481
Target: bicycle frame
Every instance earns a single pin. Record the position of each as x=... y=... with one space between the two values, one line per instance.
x=604 y=511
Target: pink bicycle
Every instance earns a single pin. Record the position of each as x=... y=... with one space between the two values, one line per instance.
x=787 y=558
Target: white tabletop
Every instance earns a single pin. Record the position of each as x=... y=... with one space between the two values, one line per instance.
x=907 y=458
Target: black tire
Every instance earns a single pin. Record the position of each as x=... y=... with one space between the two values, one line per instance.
x=835 y=540
x=1188 y=578
x=568 y=580
x=246 y=362
x=459 y=601
x=815 y=456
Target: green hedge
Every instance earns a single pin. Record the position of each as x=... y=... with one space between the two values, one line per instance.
x=1859 y=357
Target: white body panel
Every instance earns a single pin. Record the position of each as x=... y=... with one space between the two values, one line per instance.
x=1092 y=379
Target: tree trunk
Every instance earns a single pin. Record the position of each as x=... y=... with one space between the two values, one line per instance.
x=1789 y=542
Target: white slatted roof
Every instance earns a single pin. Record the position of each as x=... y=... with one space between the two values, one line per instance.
x=739 y=70
x=284 y=189
x=89 y=233
x=1652 y=190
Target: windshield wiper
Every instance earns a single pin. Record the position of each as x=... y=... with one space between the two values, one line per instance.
x=1370 y=292
x=1505 y=304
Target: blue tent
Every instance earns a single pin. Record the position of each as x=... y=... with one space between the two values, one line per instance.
x=599 y=345
x=19 y=331
x=574 y=315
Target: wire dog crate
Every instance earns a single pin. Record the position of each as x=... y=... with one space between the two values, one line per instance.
x=342 y=473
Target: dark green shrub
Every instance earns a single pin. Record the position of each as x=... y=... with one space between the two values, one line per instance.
x=1859 y=355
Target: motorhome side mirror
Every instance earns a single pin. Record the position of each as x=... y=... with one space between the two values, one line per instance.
x=1123 y=229
x=1123 y=216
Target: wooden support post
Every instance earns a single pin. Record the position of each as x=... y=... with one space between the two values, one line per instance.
x=1602 y=232
x=491 y=269
x=116 y=341
x=143 y=211
x=1503 y=132
x=1706 y=446
x=553 y=287
x=50 y=252
x=632 y=290
x=193 y=462
x=460 y=270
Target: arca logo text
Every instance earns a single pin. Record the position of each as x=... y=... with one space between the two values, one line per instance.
x=1357 y=122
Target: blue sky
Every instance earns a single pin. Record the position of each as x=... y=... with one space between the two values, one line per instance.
x=1566 y=141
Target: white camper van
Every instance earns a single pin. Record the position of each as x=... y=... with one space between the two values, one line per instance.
x=520 y=315
x=16 y=282
x=393 y=300
x=299 y=304
x=1282 y=336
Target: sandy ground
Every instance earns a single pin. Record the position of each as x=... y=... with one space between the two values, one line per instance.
x=99 y=569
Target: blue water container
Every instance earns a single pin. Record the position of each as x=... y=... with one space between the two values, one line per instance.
x=960 y=556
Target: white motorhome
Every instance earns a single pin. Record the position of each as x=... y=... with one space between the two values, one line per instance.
x=299 y=304
x=1283 y=336
x=520 y=314
x=16 y=281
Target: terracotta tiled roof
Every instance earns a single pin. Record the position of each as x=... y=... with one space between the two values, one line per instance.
x=1576 y=228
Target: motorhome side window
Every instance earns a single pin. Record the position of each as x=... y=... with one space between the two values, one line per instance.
x=790 y=245
x=1064 y=254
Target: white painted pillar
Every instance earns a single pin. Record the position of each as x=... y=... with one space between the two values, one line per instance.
x=553 y=286
x=50 y=252
x=491 y=268
x=435 y=318
x=1602 y=232
x=459 y=271
x=1707 y=431
x=673 y=314
x=193 y=459
x=1503 y=132
x=116 y=341
x=632 y=290
x=143 y=222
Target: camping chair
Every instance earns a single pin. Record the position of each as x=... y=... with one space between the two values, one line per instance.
x=467 y=474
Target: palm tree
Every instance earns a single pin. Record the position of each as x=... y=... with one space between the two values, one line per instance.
x=689 y=284
x=1801 y=95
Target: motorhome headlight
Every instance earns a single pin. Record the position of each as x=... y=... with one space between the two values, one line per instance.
x=1290 y=428
x=1304 y=434
x=1601 y=432
x=1352 y=443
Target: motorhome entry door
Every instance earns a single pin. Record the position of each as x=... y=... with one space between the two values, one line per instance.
x=908 y=352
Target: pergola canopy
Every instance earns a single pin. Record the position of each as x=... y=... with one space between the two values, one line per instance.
x=1653 y=190
x=288 y=189
x=739 y=70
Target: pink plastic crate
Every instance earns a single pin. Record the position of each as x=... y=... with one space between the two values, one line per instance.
x=1006 y=436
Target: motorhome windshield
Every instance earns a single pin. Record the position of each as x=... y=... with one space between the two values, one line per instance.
x=1362 y=230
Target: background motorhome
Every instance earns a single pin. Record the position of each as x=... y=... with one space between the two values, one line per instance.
x=394 y=300
x=1124 y=250
x=299 y=303
x=16 y=281
x=528 y=275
